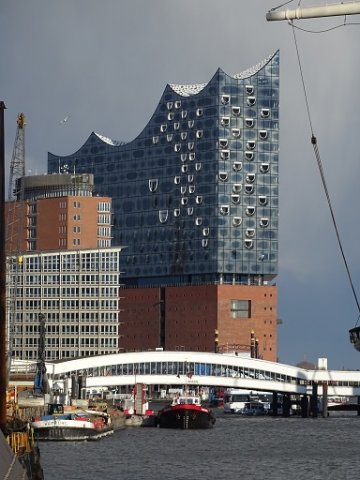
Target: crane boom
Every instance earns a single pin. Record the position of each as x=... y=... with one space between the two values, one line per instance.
x=17 y=165
x=333 y=10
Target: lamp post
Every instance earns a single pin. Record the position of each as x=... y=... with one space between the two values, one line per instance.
x=216 y=340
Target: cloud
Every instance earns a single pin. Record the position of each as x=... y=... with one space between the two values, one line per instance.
x=108 y=62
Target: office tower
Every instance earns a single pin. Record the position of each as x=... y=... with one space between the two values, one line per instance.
x=60 y=264
x=57 y=212
x=77 y=292
x=195 y=202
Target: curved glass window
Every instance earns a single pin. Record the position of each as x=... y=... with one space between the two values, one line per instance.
x=192 y=156
x=223 y=142
x=249 y=189
x=263 y=200
x=250 y=232
x=183 y=157
x=163 y=128
x=225 y=99
x=225 y=121
x=237 y=187
x=249 y=155
x=249 y=122
x=223 y=176
x=153 y=184
x=237 y=166
x=225 y=154
x=250 y=211
x=251 y=145
x=264 y=222
x=237 y=221
x=248 y=244
x=224 y=209
x=250 y=177
x=249 y=89
x=178 y=104
x=264 y=168
x=265 y=112
x=236 y=132
x=236 y=111
x=163 y=216
x=263 y=134
x=235 y=199
x=251 y=101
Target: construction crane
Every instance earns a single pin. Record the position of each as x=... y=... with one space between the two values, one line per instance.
x=333 y=10
x=14 y=225
x=17 y=165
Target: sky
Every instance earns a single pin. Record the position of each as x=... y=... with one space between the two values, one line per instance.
x=104 y=65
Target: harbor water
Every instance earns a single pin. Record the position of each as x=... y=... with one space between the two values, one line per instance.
x=250 y=448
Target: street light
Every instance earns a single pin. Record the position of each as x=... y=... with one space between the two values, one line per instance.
x=216 y=340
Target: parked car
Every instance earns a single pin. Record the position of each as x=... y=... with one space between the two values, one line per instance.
x=254 y=408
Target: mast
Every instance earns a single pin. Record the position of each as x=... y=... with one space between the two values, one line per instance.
x=3 y=370
x=334 y=10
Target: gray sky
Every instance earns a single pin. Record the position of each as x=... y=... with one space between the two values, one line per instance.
x=106 y=65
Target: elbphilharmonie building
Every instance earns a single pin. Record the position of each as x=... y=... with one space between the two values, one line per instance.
x=195 y=202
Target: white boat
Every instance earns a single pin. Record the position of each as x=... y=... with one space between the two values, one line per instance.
x=71 y=426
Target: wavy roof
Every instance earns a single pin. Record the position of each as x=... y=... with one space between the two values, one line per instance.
x=188 y=90
x=109 y=141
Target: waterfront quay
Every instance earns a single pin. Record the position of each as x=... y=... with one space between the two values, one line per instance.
x=164 y=370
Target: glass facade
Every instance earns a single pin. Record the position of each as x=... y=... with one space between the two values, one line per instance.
x=195 y=195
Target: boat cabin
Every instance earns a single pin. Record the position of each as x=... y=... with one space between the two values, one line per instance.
x=187 y=400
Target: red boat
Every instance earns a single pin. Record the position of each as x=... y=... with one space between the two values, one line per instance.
x=186 y=412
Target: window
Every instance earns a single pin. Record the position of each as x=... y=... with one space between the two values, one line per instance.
x=225 y=154
x=237 y=166
x=240 y=308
